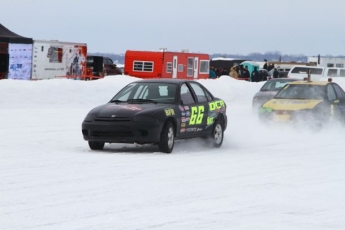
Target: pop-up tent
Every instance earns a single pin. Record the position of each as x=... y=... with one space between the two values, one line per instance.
x=15 y=55
x=251 y=65
x=8 y=36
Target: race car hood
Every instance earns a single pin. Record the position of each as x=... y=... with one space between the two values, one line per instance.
x=127 y=110
x=291 y=104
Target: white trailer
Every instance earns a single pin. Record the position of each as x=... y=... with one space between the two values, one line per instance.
x=337 y=62
x=52 y=58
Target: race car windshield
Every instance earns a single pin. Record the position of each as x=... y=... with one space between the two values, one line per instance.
x=147 y=92
x=275 y=85
x=308 y=92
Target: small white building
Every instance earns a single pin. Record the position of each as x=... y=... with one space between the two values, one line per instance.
x=327 y=61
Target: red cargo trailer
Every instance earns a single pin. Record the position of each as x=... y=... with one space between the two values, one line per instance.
x=166 y=64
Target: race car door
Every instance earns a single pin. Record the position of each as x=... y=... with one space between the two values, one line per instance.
x=212 y=106
x=192 y=113
x=198 y=111
x=340 y=102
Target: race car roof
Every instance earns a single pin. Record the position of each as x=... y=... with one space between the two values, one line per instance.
x=308 y=83
x=165 y=80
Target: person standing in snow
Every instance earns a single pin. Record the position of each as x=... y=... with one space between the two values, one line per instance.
x=233 y=72
x=213 y=74
x=275 y=73
x=225 y=72
x=240 y=71
x=265 y=65
x=246 y=73
x=255 y=75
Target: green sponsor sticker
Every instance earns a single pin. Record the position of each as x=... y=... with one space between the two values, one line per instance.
x=265 y=110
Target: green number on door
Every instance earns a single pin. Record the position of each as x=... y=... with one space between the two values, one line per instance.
x=197 y=113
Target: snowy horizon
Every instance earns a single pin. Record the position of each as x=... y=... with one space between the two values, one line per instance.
x=263 y=177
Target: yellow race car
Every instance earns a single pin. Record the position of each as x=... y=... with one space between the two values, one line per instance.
x=306 y=101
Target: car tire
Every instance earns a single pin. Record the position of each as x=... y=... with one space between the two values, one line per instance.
x=217 y=134
x=96 y=145
x=166 y=143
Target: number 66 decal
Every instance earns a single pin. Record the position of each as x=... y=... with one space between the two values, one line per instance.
x=197 y=113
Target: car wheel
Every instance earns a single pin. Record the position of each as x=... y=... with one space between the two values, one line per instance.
x=217 y=134
x=96 y=145
x=166 y=143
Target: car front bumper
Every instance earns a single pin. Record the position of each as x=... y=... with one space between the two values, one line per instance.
x=126 y=132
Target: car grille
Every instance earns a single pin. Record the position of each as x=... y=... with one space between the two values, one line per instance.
x=115 y=133
x=113 y=119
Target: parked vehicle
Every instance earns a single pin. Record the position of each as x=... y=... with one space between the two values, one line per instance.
x=157 y=111
x=266 y=75
x=333 y=73
x=121 y=67
x=110 y=67
x=317 y=73
x=283 y=73
x=331 y=62
x=102 y=66
x=95 y=65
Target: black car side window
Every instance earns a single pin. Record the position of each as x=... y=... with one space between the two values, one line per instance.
x=339 y=91
x=331 y=93
x=186 y=95
x=107 y=61
x=208 y=95
x=200 y=94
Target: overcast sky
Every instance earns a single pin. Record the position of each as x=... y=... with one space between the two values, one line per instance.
x=306 y=27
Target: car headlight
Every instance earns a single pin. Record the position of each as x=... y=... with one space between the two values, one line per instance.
x=256 y=98
x=90 y=117
x=144 y=119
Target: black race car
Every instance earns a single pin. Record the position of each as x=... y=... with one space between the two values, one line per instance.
x=157 y=111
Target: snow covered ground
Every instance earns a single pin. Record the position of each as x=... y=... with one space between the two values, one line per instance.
x=262 y=177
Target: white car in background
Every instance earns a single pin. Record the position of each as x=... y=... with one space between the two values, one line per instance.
x=333 y=73
x=316 y=73
x=301 y=72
